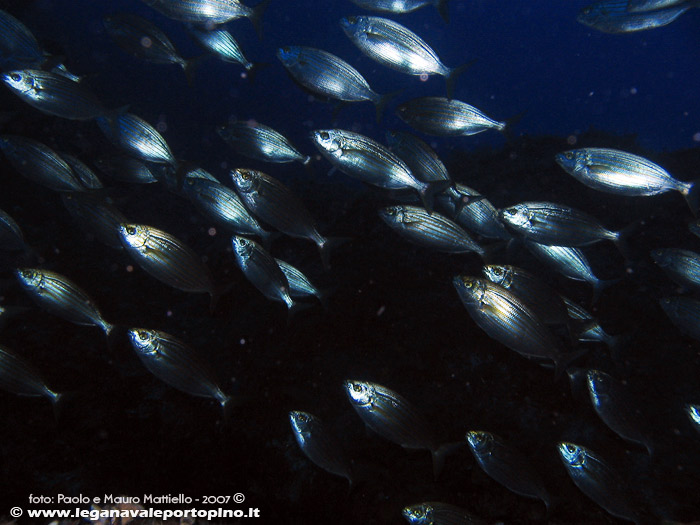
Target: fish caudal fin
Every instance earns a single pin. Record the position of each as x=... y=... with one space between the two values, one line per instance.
x=428 y=190
x=57 y=404
x=256 y=17
x=190 y=65
x=451 y=77
x=564 y=360
x=441 y=6
x=441 y=453
x=509 y=124
x=600 y=285
x=382 y=101
x=254 y=69
x=691 y=192
x=326 y=245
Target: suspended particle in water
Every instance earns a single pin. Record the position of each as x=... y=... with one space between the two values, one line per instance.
x=146 y=42
x=423 y=77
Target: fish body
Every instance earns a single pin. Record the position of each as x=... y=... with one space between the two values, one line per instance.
x=175 y=363
x=636 y=6
x=613 y=403
x=508 y=320
x=550 y=223
x=39 y=163
x=11 y=237
x=684 y=312
x=126 y=169
x=476 y=214
x=202 y=11
x=260 y=142
x=437 y=513
x=62 y=297
x=19 y=48
x=420 y=158
x=397 y=47
x=433 y=231
x=299 y=284
x=221 y=44
x=622 y=173
x=447 y=118
x=262 y=270
x=682 y=266
x=597 y=480
x=97 y=215
x=613 y=16
x=507 y=465
x=53 y=94
x=693 y=412
x=318 y=444
x=137 y=137
x=167 y=258
x=82 y=172
x=222 y=204
x=592 y=331
x=400 y=7
x=18 y=376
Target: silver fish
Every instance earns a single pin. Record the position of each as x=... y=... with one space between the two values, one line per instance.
x=397 y=47
x=137 y=137
x=319 y=445
x=402 y=6
x=550 y=223
x=364 y=159
x=594 y=477
x=97 y=215
x=508 y=320
x=167 y=259
x=329 y=76
x=62 y=297
x=684 y=312
x=299 y=284
x=613 y=16
x=84 y=174
x=209 y=12
x=144 y=40
x=126 y=169
x=392 y=417
x=682 y=266
x=636 y=6
x=433 y=231
x=447 y=118
x=420 y=158
x=618 y=410
x=614 y=171
x=39 y=163
x=571 y=263
x=221 y=204
x=261 y=269
x=693 y=412
x=592 y=330
x=473 y=212
x=18 y=376
x=221 y=44
x=694 y=227
x=11 y=237
x=260 y=142
x=54 y=94
x=507 y=466
x=18 y=46
x=437 y=513
x=278 y=206
x=176 y=364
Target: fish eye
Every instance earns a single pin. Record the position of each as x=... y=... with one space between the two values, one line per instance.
x=285 y=49
x=243 y=242
x=586 y=10
x=569 y=155
x=324 y=135
x=245 y=176
x=352 y=19
x=16 y=77
x=357 y=388
x=131 y=230
x=142 y=335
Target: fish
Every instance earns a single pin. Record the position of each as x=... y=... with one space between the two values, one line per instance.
x=541 y=298
x=85 y=175
x=597 y=480
x=18 y=376
x=97 y=215
x=260 y=142
x=209 y=12
x=60 y=296
x=571 y=263
x=613 y=16
x=448 y=118
x=403 y=6
x=325 y=74
x=278 y=206
x=126 y=169
x=299 y=284
x=19 y=48
x=420 y=158
x=167 y=259
x=433 y=231
x=54 y=94
x=693 y=412
x=694 y=227
x=137 y=137
x=507 y=466
x=144 y=40
x=622 y=173
x=397 y=47
x=592 y=330
x=392 y=417
x=684 y=313
x=682 y=266
x=223 y=205
x=11 y=237
x=222 y=45
x=550 y=223
x=368 y=161
x=261 y=269
x=636 y=6
x=319 y=445
x=175 y=363
x=473 y=211
x=39 y=163
x=507 y=319
x=618 y=410
x=438 y=513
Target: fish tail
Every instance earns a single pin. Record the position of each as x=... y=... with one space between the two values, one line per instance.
x=453 y=73
x=600 y=285
x=226 y=404
x=564 y=360
x=107 y=327
x=189 y=66
x=616 y=343
x=323 y=296
x=381 y=101
x=507 y=129
x=441 y=453
x=57 y=404
x=253 y=69
x=326 y=245
x=441 y=6
x=428 y=190
x=256 y=17
x=691 y=192
x=621 y=236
